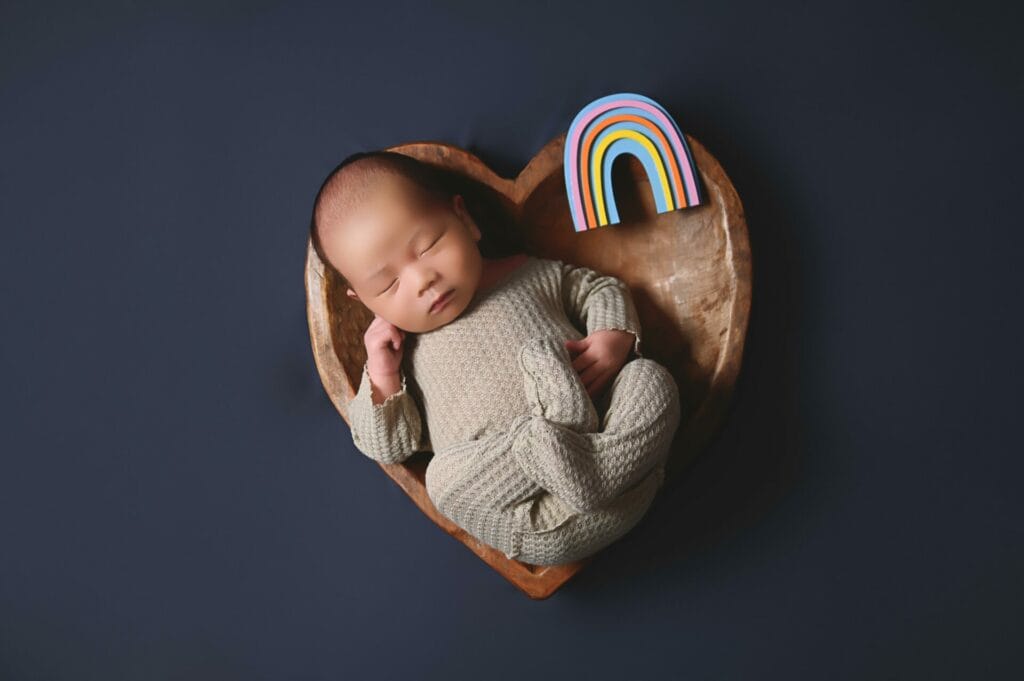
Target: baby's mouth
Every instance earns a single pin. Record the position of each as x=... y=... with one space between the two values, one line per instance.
x=443 y=300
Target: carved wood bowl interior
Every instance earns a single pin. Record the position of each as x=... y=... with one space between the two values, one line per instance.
x=689 y=272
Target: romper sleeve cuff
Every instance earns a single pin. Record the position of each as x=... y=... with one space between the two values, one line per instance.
x=388 y=432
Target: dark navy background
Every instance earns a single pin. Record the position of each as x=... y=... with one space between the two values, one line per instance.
x=179 y=499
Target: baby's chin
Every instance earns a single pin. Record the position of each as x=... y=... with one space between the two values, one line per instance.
x=448 y=315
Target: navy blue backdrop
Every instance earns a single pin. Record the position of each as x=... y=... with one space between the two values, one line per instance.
x=179 y=500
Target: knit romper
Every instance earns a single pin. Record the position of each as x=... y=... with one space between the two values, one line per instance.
x=523 y=460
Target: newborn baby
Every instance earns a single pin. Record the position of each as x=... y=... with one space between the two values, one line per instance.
x=482 y=361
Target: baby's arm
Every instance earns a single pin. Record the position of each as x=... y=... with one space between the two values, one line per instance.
x=388 y=432
x=596 y=301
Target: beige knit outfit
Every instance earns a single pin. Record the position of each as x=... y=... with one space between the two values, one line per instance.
x=523 y=459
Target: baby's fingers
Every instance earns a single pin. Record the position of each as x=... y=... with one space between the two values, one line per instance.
x=597 y=386
x=583 y=361
x=593 y=373
x=383 y=334
x=396 y=336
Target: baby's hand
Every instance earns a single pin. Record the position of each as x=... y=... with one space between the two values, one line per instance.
x=384 y=350
x=597 y=358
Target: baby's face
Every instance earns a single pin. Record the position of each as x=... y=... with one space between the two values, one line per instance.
x=400 y=255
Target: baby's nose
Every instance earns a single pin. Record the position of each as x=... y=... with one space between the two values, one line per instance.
x=427 y=283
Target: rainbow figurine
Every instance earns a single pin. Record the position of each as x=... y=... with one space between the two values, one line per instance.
x=625 y=123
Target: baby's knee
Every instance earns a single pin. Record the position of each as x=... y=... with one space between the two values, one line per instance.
x=656 y=381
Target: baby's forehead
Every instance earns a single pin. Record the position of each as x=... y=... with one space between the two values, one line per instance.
x=385 y=214
x=374 y=194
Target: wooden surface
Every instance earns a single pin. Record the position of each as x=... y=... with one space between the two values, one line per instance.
x=689 y=271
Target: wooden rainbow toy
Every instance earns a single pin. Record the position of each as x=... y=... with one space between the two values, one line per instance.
x=625 y=123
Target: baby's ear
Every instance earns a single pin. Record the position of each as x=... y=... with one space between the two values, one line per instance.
x=352 y=294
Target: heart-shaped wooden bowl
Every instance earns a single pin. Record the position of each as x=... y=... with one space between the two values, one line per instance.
x=689 y=271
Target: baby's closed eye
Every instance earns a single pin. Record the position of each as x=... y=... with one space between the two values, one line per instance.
x=433 y=243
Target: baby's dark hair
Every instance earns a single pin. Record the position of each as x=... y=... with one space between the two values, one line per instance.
x=350 y=181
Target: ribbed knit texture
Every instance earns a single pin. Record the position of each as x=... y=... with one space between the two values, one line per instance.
x=523 y=460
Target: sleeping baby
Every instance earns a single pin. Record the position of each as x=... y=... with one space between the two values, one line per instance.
x=548 y=444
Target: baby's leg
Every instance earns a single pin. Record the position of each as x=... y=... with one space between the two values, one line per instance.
x=568 y=536
x=589 y=469
x=480 y=487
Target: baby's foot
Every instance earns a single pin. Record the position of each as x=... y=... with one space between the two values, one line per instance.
x=553 y=388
